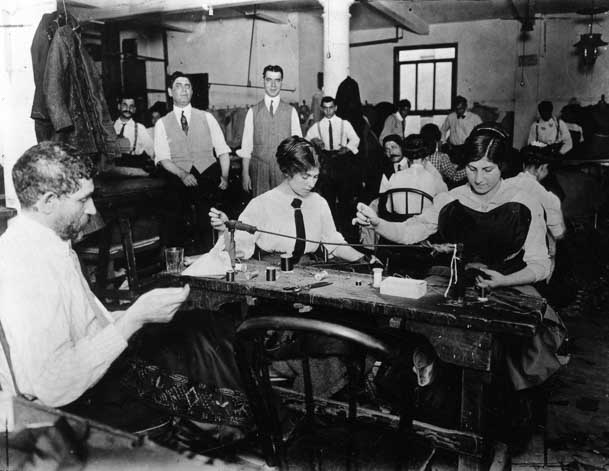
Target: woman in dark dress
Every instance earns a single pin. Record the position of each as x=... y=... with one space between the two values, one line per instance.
x=503 y=232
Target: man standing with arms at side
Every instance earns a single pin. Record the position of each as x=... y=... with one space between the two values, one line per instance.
x=266 y=124
x=190 y=146
x=457 y=127
x=59 y=337
x=338 y=143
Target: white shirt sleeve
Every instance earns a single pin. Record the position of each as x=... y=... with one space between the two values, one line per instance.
x=145 y=143
x=217 y=137
x=161 y=145
x=247 y=141
x=532 y=133
x=567 y=141
x=57 y=369
x=329 y=234
x=296 y=129
x=351 y=137
x=313 y=133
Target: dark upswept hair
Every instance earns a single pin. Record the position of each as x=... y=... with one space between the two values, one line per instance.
x=50 y=166
x=296 y=155
x=328 y=99
x=545 y=106
x=460 y=100
x=176 y=75
x=272 y=68
x=489 y=140
x=533 y=156
x=393 y=138
x=431 y=134
x=414 y=147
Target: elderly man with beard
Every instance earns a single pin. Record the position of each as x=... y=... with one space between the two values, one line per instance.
x=58 y=339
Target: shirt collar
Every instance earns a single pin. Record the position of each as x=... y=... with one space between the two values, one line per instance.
x=268 y=100
x=44 y=237
x=399 y=116
x=120 y=122
x=178 y=111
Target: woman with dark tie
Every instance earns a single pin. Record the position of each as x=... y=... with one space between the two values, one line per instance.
x=292 y=208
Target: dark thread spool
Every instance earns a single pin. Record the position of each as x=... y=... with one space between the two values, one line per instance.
x=230 y=275
x=271 y=274
x=286 y=263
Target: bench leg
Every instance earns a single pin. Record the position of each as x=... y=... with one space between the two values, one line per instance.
x=472 y=414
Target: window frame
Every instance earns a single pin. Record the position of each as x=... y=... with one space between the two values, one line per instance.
x=396 y=76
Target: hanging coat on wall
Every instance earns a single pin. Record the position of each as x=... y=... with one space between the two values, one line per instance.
x=75 y=100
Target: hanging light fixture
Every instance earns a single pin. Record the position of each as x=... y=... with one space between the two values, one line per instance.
x=589 y=42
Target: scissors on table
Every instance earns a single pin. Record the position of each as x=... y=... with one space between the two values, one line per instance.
x=297 y=289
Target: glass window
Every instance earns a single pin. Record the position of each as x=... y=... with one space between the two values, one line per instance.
x=427 y=77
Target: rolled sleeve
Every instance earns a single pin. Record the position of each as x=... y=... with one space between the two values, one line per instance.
x=247 y=141
x=217 y=137
x=161 y=145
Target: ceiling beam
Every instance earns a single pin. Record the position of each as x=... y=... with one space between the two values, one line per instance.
x=131 y=8
x=401 y=14
x=260 y=15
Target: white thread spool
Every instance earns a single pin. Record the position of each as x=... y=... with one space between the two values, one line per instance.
x=377 y=277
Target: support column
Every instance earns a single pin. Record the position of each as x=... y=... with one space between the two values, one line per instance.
x=336 y=43
x=19 y=20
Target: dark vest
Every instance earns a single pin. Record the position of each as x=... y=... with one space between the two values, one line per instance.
x=192 y=150
x=269 y=130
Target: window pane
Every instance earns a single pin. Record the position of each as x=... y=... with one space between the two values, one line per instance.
x=407 y=82
x=444 y=80
x=409 y=55
x=425 y=87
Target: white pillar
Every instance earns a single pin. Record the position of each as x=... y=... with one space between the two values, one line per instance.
x=336 y=43
x=19 y=19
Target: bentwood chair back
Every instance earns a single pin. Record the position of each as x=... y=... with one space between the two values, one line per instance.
x=254 y=362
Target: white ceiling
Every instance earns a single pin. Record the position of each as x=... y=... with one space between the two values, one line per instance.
x=414 y=15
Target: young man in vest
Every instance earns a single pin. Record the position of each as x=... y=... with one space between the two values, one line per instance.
x=550 y=131
x=338 y=144
x=266 y=124
x=190 y=146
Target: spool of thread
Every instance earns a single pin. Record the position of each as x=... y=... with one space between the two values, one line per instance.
x=482 y=294
x=286 y=263
x=377 y=277
x=271 y=274
x=230 y=275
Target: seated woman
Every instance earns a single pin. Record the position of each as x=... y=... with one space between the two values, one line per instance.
x=503 y=231
x=279 y=209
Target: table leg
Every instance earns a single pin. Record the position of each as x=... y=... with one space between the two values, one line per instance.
x=472 y=414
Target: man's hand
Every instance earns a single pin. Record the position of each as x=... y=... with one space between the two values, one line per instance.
x=189 y=179
x=158 y=305
x=366 y=217
x=218 y=218
x=246 y=182
x=343 y=150
x=223 y=183
x=317 y=142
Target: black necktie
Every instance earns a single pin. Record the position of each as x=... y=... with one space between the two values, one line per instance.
x=299 y=245
x=184 y=123
x=271 y=108
x=330 y=135
x=122 y=133
x=461 y=116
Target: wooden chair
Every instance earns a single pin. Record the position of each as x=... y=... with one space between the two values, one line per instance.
x=103 y=254
x=254 y=361
x=396 y=205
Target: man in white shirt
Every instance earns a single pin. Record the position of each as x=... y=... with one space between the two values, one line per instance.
x=267 y=123
x=190 y=146
x=59 y=337
x=338 y=144
x=401 y=122
x=550 y=131
x=135 y=138
x=457 y=127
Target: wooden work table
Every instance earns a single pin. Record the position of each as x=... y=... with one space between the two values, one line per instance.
x=466 y=335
